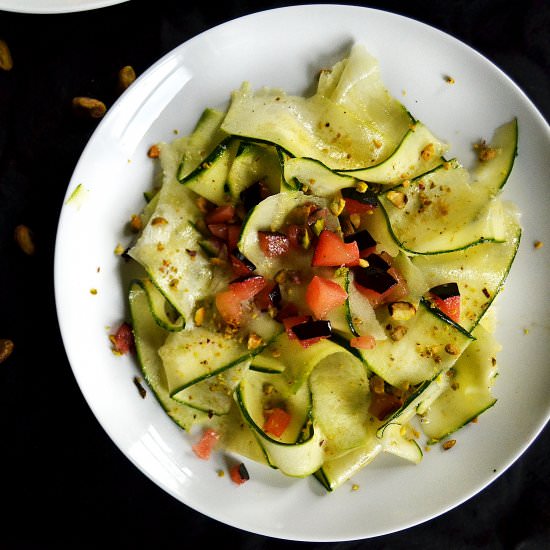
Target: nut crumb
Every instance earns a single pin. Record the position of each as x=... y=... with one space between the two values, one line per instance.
x=449 y=444
x=199 y=316
x=126 y=76
x=397 y=198
x=135 y=223
x=154 y=152
x=485 y=153
x=24 y=238
x=428 y=152
x=89 y=106
x=6 y=349
x=6 y=60
x=140 y=388
x=401 y=311
x=451 y=349
x=538 y=244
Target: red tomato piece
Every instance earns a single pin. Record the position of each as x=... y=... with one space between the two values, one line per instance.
x=203 y=448
x=239 y=473
x=219 y=230
x=264 y=298
x=233 y=234
x=240 y=268
x=323 y=295
x=230 y=302
x=287 y=311
x=277 y=422
x=331 y=250
x=383 y=404
x=356 y=207
x=449 y=306
x=366 y=341
x=221 y=214
x=293 y=232
x=123 y=339
x=248 y=288
x=273 y=243
x=229 y=307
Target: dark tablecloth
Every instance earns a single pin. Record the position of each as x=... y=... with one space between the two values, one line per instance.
x=63 y=481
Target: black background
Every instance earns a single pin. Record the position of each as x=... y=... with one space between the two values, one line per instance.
x=63 y=481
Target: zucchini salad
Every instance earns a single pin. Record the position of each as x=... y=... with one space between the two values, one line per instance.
x=316 y=277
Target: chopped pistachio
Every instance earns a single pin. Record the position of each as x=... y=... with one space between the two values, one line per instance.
x=397 y=198
x=402 y=311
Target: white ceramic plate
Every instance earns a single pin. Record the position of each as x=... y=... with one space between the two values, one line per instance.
x=55 y=6
x=286 y=47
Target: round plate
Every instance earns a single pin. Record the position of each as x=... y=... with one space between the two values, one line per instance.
x=114 y=170
x=55 y=6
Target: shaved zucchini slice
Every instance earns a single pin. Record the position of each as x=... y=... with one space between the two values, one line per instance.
x=254 y=162
x=441 y=212
x=480 y=271
x=336 y=471
x=190 y=356
x=340 y=390
x=314 y=176
x=162 y=311
x=182 y=277
x=209 y=179
x=470 y=391
x=492 y=174
x=299 y=451
x=419 y=152
x=237 y=437
x=149 y=337
x=196 y=147
x=271 y=214
x=214 y=395
x=420 y=354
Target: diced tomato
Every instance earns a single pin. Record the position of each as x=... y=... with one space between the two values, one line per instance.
x=123 y=339
x=219 y=230
x=221 y=214
x=241 y=268
x=229 y=307
x=233 y=234
x=366 y=341
x=203 y=448
x=449 y=306
x=383 y=404
x=277 y=422
x=269 y=296
x=230 y=302
x=294 y=233
x=393 y=294
x=273 y=243
x=331 y=250
x=323 y=295
x=239 y=473
x=356 y=207
x=288 y=310
x=248 y=288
